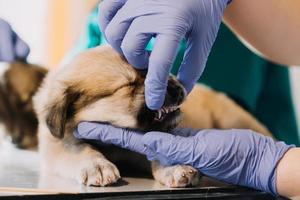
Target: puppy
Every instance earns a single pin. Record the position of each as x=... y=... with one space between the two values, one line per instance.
x=18 y=83
x=99 y=85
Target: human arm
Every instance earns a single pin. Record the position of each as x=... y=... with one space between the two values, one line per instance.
x=235 y=156
x=288 y=174
x=12 y=47
x=271 y=27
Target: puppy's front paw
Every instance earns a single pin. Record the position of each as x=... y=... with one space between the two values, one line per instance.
x=179 y=176
x=99 y=172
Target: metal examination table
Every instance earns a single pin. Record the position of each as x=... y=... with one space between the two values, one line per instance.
x=20 y=178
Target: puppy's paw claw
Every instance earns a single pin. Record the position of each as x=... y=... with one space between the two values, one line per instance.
x=100 y=172
x=180 y=176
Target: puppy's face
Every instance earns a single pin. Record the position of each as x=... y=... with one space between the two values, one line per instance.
x=99 y=85
x=19 y=82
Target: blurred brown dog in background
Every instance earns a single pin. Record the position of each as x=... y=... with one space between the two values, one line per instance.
x=18 y=83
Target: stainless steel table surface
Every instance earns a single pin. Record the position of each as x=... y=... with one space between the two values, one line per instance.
x=20 y=175
x=20 y=169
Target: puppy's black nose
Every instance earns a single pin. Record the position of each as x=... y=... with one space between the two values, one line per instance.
x=175 y=93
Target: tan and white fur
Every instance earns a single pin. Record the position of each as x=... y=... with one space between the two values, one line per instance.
x=99 y=85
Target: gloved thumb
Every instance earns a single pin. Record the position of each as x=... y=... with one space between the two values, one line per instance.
x=21 y=49
x=193 y=63
x=199 y=45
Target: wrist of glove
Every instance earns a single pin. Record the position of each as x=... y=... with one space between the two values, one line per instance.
x=240 y=157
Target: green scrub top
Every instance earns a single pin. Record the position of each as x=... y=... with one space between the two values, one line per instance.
x=261 y=87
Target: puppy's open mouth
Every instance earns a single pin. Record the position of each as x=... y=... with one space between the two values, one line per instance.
x=164 y=111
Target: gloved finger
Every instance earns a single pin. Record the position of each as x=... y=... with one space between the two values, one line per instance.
x=108 y=134
x=193 y=63
x=6 y=42
x=116 y=29
x=21 y=49
x=160 y=63
x=135 y=42
x=107 y=10
x=170 y=149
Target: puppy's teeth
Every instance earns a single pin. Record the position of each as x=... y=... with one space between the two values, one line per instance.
x=165 y=110
x=168 y=109
x=158 y=115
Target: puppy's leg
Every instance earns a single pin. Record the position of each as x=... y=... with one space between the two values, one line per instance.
x=80 y=162
x=205 y=108
x=175 y=176
x=227 y=114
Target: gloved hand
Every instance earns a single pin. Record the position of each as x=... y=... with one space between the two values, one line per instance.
x=128 y=26
x=12 y=47
x=235 y=156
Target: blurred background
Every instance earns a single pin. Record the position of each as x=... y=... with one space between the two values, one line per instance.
x=52 y=29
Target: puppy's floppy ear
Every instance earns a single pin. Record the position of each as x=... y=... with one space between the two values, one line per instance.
x=60 y=112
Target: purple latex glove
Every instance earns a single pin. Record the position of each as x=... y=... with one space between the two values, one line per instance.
x=128 y=26
x=235 y=156
x=12 y=47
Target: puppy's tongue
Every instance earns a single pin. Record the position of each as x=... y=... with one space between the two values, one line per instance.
x=161 y=113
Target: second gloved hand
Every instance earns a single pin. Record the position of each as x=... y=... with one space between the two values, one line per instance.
x=129 y=25
x=12 y=47
x=235 y=156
